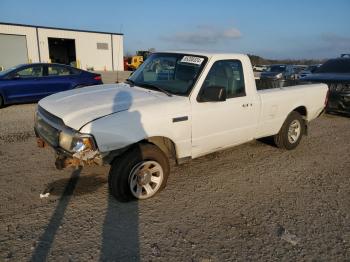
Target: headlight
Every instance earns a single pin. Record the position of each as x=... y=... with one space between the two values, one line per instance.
x=279 y=75
x=65 y=140
x=83 y=142
x=76 y=142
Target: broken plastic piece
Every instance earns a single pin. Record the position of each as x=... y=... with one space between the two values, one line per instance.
x=40 y=142
x=290 y=238
x=86 y=155
x=44 y=195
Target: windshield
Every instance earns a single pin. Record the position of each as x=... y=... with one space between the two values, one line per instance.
x=335 y=66
x=174 y=73
x=2 y=73
x=277 y=68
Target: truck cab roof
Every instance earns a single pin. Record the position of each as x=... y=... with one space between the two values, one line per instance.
x=208 y=54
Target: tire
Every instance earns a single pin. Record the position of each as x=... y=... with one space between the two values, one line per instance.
x=291 y=132
x=130 y=174
x=1 y=102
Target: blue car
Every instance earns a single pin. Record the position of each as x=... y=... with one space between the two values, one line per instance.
x=31 y=82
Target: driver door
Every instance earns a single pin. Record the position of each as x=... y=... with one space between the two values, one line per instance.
x=217 y=125
x=25 y=84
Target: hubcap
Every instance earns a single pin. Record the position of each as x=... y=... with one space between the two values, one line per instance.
x=145 y=179
x=294 y=131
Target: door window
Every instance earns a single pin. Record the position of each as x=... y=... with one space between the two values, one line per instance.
x=227 y=74
x=54 y=70
x=29 y=72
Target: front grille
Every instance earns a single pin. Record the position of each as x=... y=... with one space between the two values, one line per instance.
x=50 y=116
x=48 y=126
x=47 y=132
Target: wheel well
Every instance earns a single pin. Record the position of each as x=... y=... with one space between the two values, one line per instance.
x=301 y=110
x=165 y=144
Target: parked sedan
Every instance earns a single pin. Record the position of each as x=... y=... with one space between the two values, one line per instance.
x=32 y=82
x=335 y=73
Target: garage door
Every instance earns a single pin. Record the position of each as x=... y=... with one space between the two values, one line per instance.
x=13 y=50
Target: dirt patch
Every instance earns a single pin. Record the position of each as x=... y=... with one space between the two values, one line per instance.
x=15 y=137
x=253 y=202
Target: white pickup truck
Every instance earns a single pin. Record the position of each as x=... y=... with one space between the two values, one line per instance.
x=176 y=105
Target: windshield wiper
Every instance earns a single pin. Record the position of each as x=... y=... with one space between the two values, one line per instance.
x=130 y=82
x=155 y=87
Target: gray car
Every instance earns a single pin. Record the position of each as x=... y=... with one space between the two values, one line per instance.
x=278 y=72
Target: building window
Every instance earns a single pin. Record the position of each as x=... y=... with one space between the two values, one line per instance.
x=103 y=46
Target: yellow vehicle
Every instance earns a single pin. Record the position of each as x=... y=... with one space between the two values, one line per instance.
x=135 y=61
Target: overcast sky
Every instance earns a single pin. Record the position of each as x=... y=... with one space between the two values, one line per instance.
x=272 y=29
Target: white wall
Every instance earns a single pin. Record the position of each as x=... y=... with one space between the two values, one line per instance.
x=30 y=33
x=85 y=46
x=118 y=53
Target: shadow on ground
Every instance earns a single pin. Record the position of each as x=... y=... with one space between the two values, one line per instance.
x=120 y=240
x=267 y=141
x=45 y=241
x=335 y=114
x=120 y=236
x=87 y=185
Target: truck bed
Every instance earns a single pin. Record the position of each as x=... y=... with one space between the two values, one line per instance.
x=276 y=105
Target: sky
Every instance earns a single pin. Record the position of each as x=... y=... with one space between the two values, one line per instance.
x=271 y=28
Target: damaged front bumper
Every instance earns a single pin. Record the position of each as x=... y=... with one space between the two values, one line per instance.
x=72 y=148
x=66 y=159
x=83 y=158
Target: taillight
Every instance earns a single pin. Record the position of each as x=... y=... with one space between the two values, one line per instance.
x=98 y=78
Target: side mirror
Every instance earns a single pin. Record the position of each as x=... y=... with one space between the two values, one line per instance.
x=213 y=94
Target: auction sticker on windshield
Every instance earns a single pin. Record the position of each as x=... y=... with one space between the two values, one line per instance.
x=192 y=60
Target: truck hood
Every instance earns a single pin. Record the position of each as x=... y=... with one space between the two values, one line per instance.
x=80 y=106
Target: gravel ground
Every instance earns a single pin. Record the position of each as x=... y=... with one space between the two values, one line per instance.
x=252 y=202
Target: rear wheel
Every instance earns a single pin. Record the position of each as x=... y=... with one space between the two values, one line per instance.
x=140 y=173
x=291 y=132
x=1 y=102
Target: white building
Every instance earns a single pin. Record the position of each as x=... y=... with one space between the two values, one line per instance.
x=99 y=51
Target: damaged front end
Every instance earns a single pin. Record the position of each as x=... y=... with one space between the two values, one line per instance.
x=72 y=148
x=83 y=152
x=83 y=158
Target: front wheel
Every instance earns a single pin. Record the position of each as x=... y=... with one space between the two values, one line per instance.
x=140 y=173
x=291 y=132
